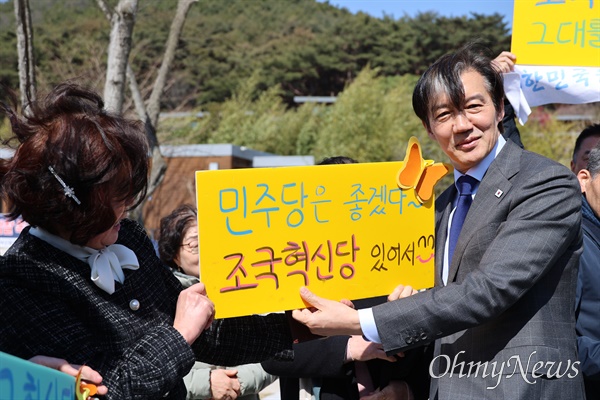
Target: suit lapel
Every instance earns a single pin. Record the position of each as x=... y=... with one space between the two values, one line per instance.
x=492 y=190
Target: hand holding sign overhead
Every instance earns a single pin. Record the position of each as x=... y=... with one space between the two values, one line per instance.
x=557 y=43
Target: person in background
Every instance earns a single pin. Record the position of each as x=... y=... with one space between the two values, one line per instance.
x=586 y=141
x=83 y=283
x=505 y=63
x=178 y=249
x=587 y=303
x=505 y=282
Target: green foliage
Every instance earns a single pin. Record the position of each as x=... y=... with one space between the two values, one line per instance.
x=371 y=121
x=550 y=137
x=8 y=48
x=303 y=46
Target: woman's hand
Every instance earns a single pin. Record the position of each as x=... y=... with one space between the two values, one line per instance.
x=195 y=312
x=224 y=384
x=88 y=375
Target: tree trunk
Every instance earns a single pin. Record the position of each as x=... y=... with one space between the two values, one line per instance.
x=159 y=165
x=183 y=6
x=25 y=50
x=122 y=22
x=149 y=113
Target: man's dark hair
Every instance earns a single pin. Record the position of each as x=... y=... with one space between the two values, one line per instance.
x=337 y=160
x=444 y=77
x=589 y=131
x=594 y=161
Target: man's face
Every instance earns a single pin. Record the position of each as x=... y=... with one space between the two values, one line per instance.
x=467 y=135
x=581 y=157
x=591 y=187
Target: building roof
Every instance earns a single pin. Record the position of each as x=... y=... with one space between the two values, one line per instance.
x=211 y=150
x=282 y=161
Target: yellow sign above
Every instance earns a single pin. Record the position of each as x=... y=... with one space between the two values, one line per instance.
x=344 y=231
x=557 y=32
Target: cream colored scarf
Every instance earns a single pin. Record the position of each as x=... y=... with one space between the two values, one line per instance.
x=107 y=264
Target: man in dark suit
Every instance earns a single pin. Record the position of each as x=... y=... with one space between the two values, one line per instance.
x=588 y=286
x=500 y=314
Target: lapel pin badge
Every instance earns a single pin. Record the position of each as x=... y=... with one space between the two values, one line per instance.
x=499 y=193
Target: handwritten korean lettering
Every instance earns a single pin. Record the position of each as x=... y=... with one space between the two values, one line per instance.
x=387 y=254
x=21 y=379
x=324 y=261
x=319 y=191
x=225 y=198
x=581 y=32
x=378 y=252
x=235 y=273
x=557 y=78
x=357 y=200
x=532 y=80
x=265 y=198
x=6 y=375
x=270 y=262
x=296 y=216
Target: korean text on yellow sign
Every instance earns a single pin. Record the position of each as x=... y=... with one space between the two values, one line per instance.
x=557 y=32
x=344 y=231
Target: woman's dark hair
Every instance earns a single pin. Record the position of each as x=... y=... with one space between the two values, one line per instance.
x=101 y=156
x=443 y=76
x=172 y=231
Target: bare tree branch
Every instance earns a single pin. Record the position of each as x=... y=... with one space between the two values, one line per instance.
x=27 y=81
x=153 y=108
x=122 y=22
x=105 y=9
x=148 y=113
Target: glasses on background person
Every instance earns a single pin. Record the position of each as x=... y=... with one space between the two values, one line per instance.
x=191 y=246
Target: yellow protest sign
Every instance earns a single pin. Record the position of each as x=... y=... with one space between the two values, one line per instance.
x=557 y=32
x=344 y=231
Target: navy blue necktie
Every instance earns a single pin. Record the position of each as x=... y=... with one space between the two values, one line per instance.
x=465 y=185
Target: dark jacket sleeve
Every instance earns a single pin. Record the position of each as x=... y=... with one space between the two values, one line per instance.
x=313 y=359
x=245 y=340
x=588 y=304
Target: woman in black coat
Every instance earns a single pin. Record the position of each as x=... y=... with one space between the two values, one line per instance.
x=84 y=284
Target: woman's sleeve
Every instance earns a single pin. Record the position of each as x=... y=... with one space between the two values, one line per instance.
x=245 y=340
x=197 y=382
x=253 y=378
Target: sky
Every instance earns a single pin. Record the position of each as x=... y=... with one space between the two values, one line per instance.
x=446 y=8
